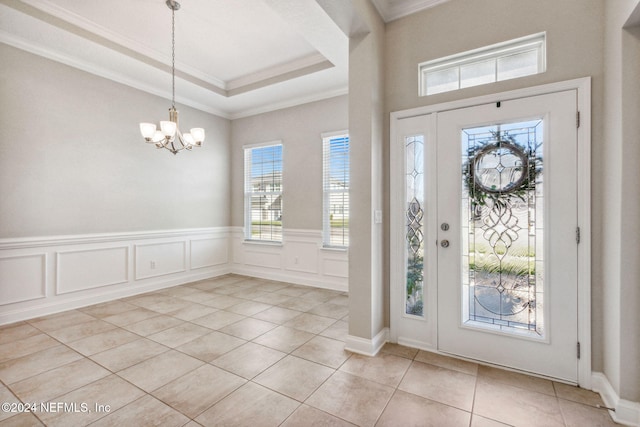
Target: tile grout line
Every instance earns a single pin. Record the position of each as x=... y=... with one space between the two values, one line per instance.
x=473 y=401
x=246 y=381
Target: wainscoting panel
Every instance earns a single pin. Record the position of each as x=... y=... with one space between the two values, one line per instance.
x=45 y=275
x=209 y=252
x=264 y=256
x=160 y=259
x=300 y=259
x=22 y=278
x=40 y=276
x=335 y=266
x=87 y=269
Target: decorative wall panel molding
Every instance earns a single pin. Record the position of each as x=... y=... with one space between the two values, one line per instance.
x=160 y=259
x=209 y=252
x=45 y=275
x=22 y=277
x=335 y=266
x=300 y=259
x=82 y=269
x=264 y=256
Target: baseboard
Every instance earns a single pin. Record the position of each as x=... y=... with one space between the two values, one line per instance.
x=624 y=411
x=367 y=347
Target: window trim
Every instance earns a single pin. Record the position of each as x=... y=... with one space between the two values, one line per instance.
x=247 y=194
x=496 y=51
x=326 y=224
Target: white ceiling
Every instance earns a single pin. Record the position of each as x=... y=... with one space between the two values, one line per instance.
x=234 y=58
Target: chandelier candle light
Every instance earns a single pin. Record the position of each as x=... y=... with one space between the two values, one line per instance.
x=169 y=136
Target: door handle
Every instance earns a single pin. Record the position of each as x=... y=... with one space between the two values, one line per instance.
x=444 y=243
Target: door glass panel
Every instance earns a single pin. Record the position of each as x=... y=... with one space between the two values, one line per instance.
x=502 y=234
x=414 y=220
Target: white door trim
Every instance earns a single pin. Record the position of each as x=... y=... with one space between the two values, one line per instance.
x=583 y=88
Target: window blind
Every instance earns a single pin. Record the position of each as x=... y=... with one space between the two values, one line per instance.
x=263 y=192
x=336 y=191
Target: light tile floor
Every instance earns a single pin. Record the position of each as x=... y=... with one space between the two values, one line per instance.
x=239 y=351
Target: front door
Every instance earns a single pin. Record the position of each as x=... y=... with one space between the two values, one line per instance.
x=489 y=204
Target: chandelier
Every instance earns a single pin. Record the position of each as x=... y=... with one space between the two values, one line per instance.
x=169 y=135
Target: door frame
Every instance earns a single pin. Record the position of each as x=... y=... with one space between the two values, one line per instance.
x=397 y=244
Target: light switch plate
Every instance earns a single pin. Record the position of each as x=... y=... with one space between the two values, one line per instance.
x=377 y=216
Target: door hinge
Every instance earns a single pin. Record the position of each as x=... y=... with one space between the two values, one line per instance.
x=578 y=349
x=577 y=234
x=577 y=119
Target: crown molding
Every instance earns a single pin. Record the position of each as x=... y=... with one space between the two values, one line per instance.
x=390 y=11
x=275 y=72
x=290 y=103
x=54 y=55
x=27 y=46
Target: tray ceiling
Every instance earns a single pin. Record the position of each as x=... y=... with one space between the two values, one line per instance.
x=233 y=58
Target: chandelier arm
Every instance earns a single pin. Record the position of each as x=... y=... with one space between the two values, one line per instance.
x=173 y=148
x=180 y=139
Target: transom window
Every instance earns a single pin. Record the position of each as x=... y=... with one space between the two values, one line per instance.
x=335 y=189
x=503 y=61
x=263 y=192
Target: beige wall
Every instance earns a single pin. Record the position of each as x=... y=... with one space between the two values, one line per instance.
x=72 y=160
x=574 y=49
x=574 y=43
x=299 y=128
x=621 y=231
x=367 y=275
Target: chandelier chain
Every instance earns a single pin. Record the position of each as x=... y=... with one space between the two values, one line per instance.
x=173 y=57
x=169 y=136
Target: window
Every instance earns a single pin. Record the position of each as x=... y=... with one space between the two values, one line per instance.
x=263 y=192
x=502 y=61
x=335 y=190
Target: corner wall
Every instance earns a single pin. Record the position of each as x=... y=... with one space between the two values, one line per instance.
x=621 y=232
x=367 y=274
x=300 y=258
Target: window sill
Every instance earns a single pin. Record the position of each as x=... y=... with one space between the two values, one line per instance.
x=262 y=243
x=334 y=249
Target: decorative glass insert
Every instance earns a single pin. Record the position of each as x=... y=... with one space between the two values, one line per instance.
x=263 y=192
x=503 y=61
x=414 y=220
x=335 y=213
x=502 y=227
